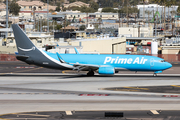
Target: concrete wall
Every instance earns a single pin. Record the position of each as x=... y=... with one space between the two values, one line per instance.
x=7 y=50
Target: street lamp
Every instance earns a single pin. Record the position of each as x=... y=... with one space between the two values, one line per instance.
x=119 y=8
x=34 y=8
x=41 y=23
x=47 y=16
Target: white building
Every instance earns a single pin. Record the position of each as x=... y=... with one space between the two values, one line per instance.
x=133 y=32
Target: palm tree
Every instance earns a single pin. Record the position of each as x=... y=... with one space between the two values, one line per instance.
x=100 y=21
x=173 y=12
x=148 y=13
x=168 y=4
x=127 y=13
x=163 y=3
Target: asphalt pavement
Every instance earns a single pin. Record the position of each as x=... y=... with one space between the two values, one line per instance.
x=32 y=92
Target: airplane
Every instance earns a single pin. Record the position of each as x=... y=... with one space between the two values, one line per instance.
x=105 y=64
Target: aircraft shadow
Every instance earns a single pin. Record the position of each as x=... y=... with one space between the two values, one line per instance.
x=85 y=76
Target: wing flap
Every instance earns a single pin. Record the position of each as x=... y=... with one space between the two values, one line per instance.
x=82 y=67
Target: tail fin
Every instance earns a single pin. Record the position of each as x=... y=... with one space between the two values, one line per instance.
x=23 y=43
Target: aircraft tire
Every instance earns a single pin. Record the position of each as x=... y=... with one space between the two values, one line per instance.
x=154 y=74
x=90 y=73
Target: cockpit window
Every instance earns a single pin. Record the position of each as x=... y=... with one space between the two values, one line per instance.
x=162 y=61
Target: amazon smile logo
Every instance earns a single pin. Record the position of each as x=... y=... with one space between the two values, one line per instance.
x=33 y=48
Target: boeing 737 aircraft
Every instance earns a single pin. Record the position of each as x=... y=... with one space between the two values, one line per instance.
x=106 y=64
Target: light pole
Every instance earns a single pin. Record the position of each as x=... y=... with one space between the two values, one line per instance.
x=38 y=24
x=47 y=16
x=7 y=17
x=34 y=8
x=119 y=7
x=53 y=25
x=41 y=23
x=38 y=18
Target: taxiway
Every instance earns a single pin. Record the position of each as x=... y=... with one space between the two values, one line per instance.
x=38 y=90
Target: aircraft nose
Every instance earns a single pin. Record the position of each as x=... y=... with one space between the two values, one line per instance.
x=168 y=65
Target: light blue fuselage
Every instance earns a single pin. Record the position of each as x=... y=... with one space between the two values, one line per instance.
x=119 y=62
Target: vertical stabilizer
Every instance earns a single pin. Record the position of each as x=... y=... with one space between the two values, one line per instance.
x=23 y=43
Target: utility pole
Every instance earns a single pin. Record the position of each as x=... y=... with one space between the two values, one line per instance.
x=139 y=29
x=143 y=13
x=172 y=26
x=154 y=23
x=34 y=8
x=87 y=19
x=38 y=18
x=41 y=23
x=119 y=15
x=65 y=23
x=53 y=25
x=7 y=17
x=156 y=29
x=47 y=16
x=164 y=20
x=127 y=14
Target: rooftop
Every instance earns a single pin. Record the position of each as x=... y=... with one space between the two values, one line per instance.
x=35 y=3
x=70 y=27
x=2 y=6
x=78 y=3
x=143 y=38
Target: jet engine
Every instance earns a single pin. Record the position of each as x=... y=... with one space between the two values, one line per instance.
x=106 y=70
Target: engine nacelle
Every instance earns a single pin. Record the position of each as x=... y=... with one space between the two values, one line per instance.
x=106 y=70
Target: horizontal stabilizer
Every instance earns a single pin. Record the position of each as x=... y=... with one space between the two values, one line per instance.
x=22 y=57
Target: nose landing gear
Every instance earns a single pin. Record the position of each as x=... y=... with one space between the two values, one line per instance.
x=154 y=74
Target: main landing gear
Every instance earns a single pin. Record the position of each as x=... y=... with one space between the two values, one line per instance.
x=90 y=73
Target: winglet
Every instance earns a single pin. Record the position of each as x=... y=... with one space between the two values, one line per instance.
x=76 y=50
x=60 y=58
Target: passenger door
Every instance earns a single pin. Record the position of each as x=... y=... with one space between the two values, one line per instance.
x=151 y=62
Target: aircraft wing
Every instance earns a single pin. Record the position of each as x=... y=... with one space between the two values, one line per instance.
x=80 y=67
